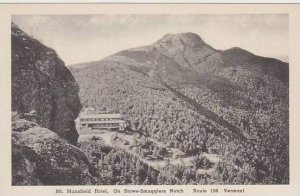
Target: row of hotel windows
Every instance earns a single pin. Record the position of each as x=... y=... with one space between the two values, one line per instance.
x=103 y=125
x=99 y=119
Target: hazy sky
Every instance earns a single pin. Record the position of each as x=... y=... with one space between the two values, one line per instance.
x=83 y=38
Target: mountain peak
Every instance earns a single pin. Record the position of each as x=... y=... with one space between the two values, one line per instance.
x=238 y=53
x=238 y=50
x=187 y=38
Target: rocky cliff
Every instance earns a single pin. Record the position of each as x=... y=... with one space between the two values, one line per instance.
x=42 y=83
x=44 y=105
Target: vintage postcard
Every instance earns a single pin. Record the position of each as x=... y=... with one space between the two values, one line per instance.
x=150 y=99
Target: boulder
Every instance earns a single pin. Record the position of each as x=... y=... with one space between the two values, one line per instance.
x=41 y=157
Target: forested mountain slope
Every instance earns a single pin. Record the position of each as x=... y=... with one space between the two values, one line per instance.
x=184 y=92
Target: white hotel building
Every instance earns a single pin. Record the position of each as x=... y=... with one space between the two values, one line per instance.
x=101 y=121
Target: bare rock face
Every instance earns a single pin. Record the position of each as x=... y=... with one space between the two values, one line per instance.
x=42 y=83
x=41 y=157
x=186 y=49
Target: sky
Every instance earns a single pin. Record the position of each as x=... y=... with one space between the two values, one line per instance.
x=84 y=38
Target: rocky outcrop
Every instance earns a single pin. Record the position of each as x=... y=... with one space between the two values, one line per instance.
x=186 y=49
x=42 y=83
x=45 y=104
x=41 y=157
